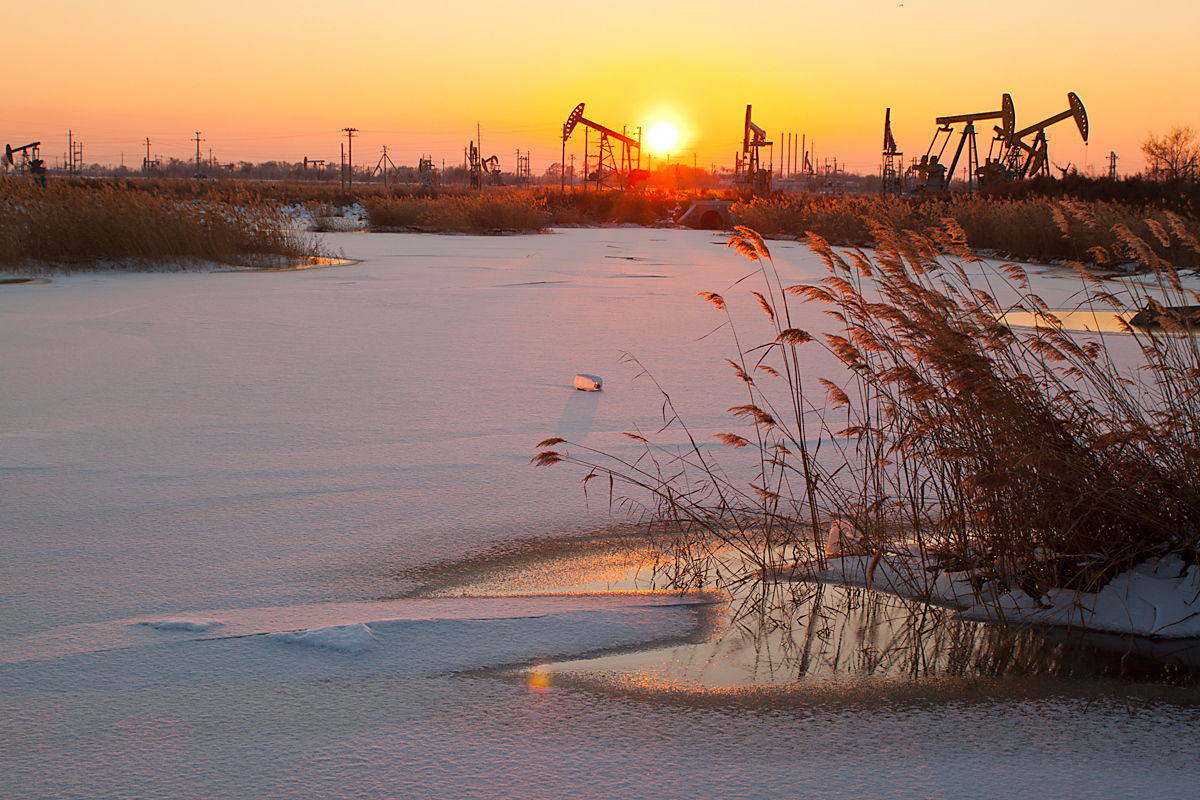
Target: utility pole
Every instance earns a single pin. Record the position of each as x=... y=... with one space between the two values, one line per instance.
x=350 y=147
x=146 y=163
x=197 y=140
x=75 y=156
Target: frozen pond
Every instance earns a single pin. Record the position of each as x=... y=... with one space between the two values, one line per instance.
x=217 y=491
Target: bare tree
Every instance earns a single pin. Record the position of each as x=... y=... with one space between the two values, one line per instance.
x=1175 y=155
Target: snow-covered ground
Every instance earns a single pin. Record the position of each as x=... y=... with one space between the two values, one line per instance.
x=212 y=483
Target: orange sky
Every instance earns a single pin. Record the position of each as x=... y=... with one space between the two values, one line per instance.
x=279 y=79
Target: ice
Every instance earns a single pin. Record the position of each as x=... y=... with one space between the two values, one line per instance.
x=345 y=638
x=185 y=625
x=275 y=451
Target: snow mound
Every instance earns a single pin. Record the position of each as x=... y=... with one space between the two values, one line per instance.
x=186 y=625
x=353 y=638
x=1158 y=598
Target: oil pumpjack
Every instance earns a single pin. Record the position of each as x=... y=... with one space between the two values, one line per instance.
x=628 y=173
x=1020 y=159
x=750 y=172
x=480 y=168
x=931 y=173
x=891 y=180
x=30 y=157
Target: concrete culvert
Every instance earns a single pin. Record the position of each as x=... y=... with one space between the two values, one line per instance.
x=709 y=215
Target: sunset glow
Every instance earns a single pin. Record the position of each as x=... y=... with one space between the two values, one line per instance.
x=264 y=81
x=662 y=136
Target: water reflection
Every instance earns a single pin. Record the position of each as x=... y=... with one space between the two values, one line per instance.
x=1082 y=320
x=819 y=630
x=820 y=643
x=817 y=641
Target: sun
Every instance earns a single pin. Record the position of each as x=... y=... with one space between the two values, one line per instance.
x=662 y=136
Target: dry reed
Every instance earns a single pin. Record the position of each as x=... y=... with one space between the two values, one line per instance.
x=484 y=212
x=1026 y=229
x=73 y=224
x=1026 y=458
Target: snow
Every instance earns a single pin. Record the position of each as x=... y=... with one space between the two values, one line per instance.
x=1158 y=598
x=215 y=487
x=311 y=217
x=588 y=383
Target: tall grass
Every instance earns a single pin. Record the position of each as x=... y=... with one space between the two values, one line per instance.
x=73 y=224
x=648 y=209
x=1027 y=228
x=1025 y=457
x=520 y=210
x=483 y=212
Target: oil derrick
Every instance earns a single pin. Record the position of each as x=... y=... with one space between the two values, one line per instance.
x=750 y=173
x=931 y=172
x=891 y=181
x=427 y=171
x=1020 y=159
x=624 y=172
